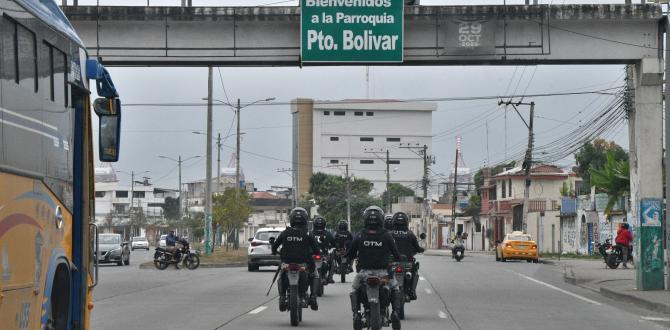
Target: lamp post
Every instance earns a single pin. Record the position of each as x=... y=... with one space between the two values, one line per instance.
x=179 y=162
x=132 y=189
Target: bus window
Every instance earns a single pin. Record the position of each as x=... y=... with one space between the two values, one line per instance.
x=27 y=52
x=9 y=53
x=59 y=77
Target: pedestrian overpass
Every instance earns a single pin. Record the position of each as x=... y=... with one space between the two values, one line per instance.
x=433 y=35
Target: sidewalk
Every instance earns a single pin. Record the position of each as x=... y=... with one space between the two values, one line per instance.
x=617 y=283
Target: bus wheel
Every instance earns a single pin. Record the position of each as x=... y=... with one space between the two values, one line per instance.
x=60 y=299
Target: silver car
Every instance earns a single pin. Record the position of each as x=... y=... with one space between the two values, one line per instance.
x=139 y=242
x=260 y=251
x=113 y=249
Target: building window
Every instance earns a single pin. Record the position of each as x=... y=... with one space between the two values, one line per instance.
x=509 y=185
x=367 y=139
x=121 y=194
x=367 y=161
x=138 y=194
x=334 y=161
x=394 y=161
x=334 y=138
x=99 y=194
x=395 y=139
x=504 y=189
x=358 y=113
x=369 y=113
x=326 y=113
x=338 y=113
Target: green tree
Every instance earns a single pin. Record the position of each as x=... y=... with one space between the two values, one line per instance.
x=474 y=207
x=612 y=178
x=231 y=210
x=171 y=208
x=567 y=191
x=593 y=155
x=330 y=194
x=397 y=190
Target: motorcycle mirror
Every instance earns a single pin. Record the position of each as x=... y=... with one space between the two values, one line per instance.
x=422 y=236
x=250 y=239
x=272 y=240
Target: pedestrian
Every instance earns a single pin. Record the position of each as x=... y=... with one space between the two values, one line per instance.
x=623 y=239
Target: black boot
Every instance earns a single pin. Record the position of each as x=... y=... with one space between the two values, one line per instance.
x=395 y=314
x=313 y=304
x=282 y=303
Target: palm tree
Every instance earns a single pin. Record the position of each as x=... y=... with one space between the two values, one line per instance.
x=613 y=178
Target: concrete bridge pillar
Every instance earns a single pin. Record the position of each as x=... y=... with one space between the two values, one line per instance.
x=646 y=181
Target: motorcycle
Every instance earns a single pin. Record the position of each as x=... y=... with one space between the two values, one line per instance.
x=295 y=276
x=603 y=247
x=182 y=254
x=375 y=295
x=458 y=251
x=615 y=256
x=341 y=264
x=403 y=273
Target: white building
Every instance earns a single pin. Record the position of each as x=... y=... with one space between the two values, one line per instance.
x=358 y=133
x=194 y=191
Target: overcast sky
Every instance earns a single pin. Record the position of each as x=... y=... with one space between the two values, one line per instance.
x=152 y=131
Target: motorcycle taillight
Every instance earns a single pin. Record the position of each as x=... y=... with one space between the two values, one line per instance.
x=373 y=280
x=317 y=257
x=398 y=269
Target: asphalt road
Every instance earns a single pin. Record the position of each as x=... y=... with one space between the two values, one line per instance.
x=477 y=293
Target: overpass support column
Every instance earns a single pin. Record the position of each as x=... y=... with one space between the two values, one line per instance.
x=646 y=181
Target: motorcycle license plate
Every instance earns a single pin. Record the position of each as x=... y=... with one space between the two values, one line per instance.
x=293 y=277
x=373 y=294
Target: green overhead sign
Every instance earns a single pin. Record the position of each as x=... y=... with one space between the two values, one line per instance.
x=357 y=31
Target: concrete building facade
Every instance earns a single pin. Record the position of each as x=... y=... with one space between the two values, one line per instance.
x=329 y=134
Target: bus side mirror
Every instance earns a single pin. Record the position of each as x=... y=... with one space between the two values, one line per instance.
x=109 y=114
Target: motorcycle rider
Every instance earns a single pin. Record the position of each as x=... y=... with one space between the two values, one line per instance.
x=297 y=247
x=373 y=246
x=408 y=245
x=388 y=222
x=325 y=241
x=171 y=246
x=343 y=238
x=623 y=239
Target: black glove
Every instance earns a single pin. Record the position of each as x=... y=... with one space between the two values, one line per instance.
x=274 y=252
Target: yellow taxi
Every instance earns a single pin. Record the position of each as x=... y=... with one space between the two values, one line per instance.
x=517 y=245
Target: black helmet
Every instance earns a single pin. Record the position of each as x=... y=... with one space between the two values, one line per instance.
x=624 y=225
x=298 y=217
x=342 y=226
x=400 y=220
x=388 y=222
x=373 y=217
x=319 y=222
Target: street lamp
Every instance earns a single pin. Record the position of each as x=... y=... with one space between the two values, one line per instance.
x=179 y=162
x=219 y=143
x=132 y=188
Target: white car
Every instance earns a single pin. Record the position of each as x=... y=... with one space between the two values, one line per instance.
x=139 y=242
x=161 y=242
x=260 y=251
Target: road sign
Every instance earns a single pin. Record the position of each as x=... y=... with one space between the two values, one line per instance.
x=357 y=31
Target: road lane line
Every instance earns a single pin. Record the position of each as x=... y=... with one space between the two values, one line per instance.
x=428 y=291
x=442 y=314
x=421 y=278
x=593 y=302
x=654 y=318
x=258 y=310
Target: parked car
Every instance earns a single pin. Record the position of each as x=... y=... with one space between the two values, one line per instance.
x=113 y=249
x=161 y=242
x=517 y=245
x=260 y=251
x=139 y=242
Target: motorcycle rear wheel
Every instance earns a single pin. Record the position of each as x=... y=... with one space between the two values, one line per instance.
x=161 y=263
x=294 y=305
x=375 y=320
x=612 y=261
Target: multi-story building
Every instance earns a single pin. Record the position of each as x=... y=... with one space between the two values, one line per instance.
x=194 y=191
x=502 y=203
x=358 y=133
x=113 y=199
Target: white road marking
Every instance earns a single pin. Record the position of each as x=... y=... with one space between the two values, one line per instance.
x=258 y=310
x=421 y=278
x=653 y=318
x=428 y=291
x=442 y=314
x=593 y=302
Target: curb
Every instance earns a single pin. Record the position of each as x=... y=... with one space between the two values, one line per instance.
x=640 y=302
x=150 y=265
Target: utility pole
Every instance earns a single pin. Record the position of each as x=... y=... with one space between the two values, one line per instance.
x=346 y=174
x=208 y=168
x=453 y=192
x=218 y=163
x=292 y=173
x=423 y=152
x=388 y=176
x=528 y=158
x=237 y=147
x=179 y=161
